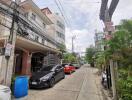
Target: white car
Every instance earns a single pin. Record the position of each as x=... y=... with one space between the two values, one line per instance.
x=5 y=93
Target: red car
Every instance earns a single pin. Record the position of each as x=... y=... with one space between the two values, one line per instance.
x=69 y=68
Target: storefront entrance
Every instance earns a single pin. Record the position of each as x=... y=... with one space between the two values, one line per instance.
x=37 y=61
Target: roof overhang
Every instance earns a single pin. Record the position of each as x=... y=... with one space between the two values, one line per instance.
x=33 y=46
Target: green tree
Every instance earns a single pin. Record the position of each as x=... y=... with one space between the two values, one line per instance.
x=90 y=52
x=120 y=50
x=69 y=58
x=100 y=60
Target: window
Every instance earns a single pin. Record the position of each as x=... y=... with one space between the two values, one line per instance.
x=60 y=35
x=47 y=68
x=26 y=15
x=59 y=67
x=60 y=24
x=44 y=25
x=36 y=38
x=33 y=16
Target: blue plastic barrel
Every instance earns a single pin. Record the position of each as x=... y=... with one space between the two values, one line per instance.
x=21 y=86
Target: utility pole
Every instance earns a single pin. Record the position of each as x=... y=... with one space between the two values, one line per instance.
x=73 y=38
x=10 y=46
x=113 y=77
x=106 y=15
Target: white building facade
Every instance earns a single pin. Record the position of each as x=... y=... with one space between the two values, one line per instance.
x=57 y=29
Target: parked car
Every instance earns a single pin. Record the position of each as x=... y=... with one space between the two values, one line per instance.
x=76 y=65
x=5 y=93
x=47 y=76
x=68 y=68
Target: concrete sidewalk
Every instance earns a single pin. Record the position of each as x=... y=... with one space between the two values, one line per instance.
x=91 y=86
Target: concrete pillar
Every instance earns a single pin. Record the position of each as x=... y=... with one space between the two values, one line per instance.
x=26 y=63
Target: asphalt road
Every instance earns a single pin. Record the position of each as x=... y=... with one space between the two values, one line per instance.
x=81 y=85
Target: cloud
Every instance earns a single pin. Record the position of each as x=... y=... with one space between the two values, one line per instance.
x=123 y=11
x=84 y=18
x=83 y=39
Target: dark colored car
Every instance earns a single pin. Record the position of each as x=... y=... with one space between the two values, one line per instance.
x=47 y=77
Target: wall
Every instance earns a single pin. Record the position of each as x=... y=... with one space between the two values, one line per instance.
x=39 y=22
x=7 y=22
x=52 y=29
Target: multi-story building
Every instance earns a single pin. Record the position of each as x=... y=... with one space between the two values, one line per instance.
x=57 y=29
x=32 y=42
x=99 y=41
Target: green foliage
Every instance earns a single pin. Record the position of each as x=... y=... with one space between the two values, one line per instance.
x=120 y=50
x=100 y=59
x=90 y=52
x=69 y=57
x=124 y=84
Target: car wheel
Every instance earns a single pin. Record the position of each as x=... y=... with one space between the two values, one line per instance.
x=63 y=76
x=52 y=82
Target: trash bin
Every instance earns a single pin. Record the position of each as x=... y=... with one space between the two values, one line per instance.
x=5 y=93
x=21 y=86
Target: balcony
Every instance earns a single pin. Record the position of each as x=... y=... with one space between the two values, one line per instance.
x=28 y=25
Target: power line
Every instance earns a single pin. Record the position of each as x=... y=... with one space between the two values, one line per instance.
x=61 y=12
x=64 y=13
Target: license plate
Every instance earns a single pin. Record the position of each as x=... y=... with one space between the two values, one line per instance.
x=34 y=83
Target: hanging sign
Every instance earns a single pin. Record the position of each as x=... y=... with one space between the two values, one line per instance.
x=8 y=49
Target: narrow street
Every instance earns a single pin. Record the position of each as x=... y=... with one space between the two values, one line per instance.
x=81 y=85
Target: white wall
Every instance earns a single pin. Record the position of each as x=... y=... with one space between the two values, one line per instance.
x=52 y=29
x=38 y=22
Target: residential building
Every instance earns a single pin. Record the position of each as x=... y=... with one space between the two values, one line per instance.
x=57 y=29
x=33 y=44
x=99 y=41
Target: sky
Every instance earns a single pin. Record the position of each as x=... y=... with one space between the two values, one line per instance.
x=83 y=16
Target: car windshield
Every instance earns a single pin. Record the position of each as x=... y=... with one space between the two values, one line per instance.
x=70 y=65
x=47 y=68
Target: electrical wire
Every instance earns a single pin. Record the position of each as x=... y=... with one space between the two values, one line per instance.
x=61 y=12
x=69 y=22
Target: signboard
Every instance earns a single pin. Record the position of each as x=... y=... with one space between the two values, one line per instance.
x=109 y=27
x=108 y=23
x=8 y=49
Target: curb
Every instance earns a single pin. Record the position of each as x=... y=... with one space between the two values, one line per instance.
x=105 y=94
